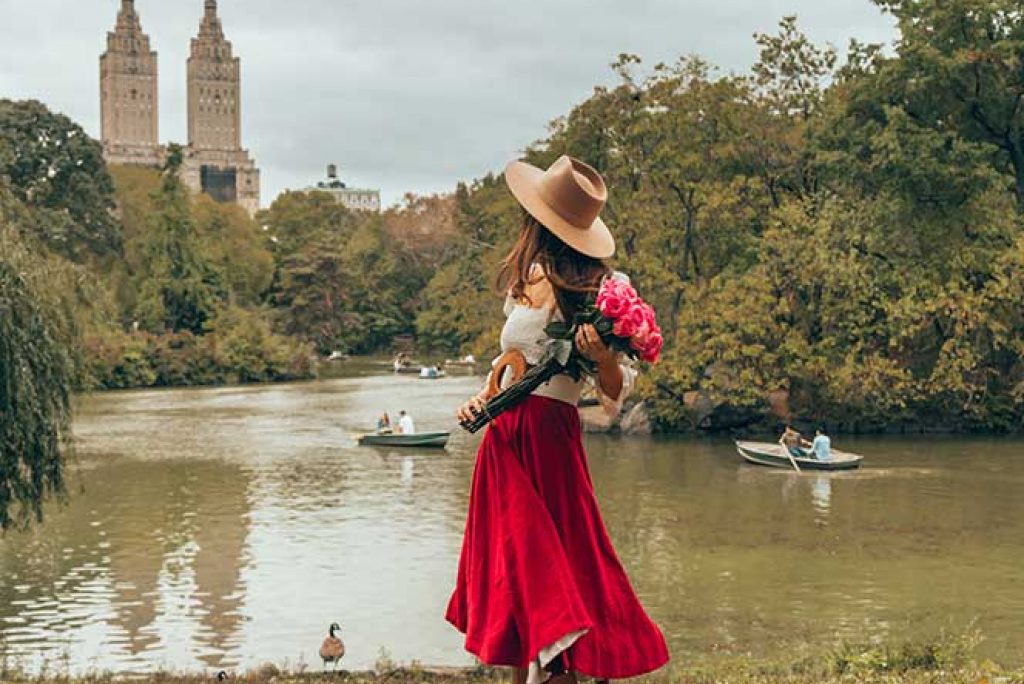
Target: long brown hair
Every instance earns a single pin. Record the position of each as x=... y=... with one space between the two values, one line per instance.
x=573 y=275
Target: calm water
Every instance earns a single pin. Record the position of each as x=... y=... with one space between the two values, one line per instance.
x=224 y=528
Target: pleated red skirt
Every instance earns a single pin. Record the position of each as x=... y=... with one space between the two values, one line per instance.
x=537 y=564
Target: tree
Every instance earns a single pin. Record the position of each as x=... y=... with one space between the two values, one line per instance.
x=957 y=70
x=179 y=289
x=55 y=167
x=36 y=376
x=310 y=291
x=236 y=246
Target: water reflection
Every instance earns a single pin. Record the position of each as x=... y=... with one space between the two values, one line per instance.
x=408 y=469
x=224 y=528
x=821 y=496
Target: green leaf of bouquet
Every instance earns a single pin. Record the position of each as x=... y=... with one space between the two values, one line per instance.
x=558 y=330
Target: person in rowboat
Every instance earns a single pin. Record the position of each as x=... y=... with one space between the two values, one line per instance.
x=793 y=441
x=405 y=424
x=821 y=447
x=384 y=424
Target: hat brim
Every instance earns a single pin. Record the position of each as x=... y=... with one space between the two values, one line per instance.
x=595 y=240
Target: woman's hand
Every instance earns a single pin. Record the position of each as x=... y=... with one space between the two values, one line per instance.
x=468 y=411
x=592 y=347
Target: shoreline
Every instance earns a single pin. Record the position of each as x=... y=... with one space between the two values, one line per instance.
x=634 y=420
x=947 y=659
x=861 y=673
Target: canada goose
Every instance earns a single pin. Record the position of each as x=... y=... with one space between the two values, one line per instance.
x=332 y=650
x=222 y=675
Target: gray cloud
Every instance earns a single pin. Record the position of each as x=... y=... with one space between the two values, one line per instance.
x=406 y=95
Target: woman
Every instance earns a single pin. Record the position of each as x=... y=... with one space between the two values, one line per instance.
x=539 y=586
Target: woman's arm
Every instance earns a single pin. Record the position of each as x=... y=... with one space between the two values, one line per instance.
x=609 y=373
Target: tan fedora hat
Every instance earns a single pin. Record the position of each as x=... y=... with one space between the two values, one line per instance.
x=567 y=198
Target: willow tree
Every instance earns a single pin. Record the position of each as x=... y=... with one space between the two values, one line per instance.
x=36 y=375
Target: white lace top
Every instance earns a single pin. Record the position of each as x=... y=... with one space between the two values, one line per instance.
x=524 y=330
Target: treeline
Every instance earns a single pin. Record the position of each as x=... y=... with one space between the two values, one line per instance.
x=828 y=240
x=167 y=288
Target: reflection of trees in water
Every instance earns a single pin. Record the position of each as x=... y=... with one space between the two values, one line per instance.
x=222 y=519
x=157 y=509
x=147 y=533
x=145 y=510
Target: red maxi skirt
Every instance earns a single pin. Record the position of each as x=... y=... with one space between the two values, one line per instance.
x=537 y=568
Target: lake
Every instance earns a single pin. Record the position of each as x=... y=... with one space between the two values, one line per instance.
x=224 y=528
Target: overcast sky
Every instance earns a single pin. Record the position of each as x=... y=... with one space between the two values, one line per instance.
x=405 y=95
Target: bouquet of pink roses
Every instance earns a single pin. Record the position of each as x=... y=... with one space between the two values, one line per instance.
x=634 y=328
x=625 y=322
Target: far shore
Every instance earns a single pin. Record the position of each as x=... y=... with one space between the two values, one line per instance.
x=595 y=421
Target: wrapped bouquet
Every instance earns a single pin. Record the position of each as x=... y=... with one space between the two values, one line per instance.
x=625 y=322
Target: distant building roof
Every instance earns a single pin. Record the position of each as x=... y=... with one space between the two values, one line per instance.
x=353 y=198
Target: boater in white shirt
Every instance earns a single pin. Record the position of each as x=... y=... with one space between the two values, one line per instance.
x=405 y=424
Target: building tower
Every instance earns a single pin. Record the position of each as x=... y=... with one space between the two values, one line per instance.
x=216 y=163
x=214 y=86
x=129 y=107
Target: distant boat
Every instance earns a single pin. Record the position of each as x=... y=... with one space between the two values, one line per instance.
x=769 y=454
x=467 y=361
x=404 y=366
x=431 y=373
x=419 y=439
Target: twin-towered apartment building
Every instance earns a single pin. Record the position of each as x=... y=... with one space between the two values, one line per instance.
x=215 y=162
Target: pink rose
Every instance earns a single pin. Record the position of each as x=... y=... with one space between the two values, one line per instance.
x=652 y=320
x=630 y=322
x=652 y=351
x=641 y=338
x=624 y=327
x=615 y=298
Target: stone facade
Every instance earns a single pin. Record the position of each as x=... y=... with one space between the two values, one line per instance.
x=129 y=95
x=215 y=162
x=356 y=199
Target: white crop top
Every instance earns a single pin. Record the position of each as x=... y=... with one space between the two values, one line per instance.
x=524 y=330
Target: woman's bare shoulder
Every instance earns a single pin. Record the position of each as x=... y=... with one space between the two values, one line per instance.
x=538 y=289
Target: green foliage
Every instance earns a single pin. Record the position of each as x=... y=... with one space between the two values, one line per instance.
x=310 y=290
x=250 y=352
x=461 y=310
x=346 y=281
x=179 y=288
x=957 y=72
x=36 y=374
x=237 y=347
x=235 y=246
x=53 y=166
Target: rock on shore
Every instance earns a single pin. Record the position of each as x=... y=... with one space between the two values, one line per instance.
x=630 y=421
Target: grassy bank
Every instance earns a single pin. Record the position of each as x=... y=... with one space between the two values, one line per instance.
x=945 y=661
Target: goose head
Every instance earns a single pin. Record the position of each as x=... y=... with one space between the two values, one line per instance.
x=335 y=627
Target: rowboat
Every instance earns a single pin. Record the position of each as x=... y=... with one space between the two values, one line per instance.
x=769 y=454
x=419 y=439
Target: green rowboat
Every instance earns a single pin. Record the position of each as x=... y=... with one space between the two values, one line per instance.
x=769 y=454
x=420 y=439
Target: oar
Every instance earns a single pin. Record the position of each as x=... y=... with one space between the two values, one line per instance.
x=790 y=454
